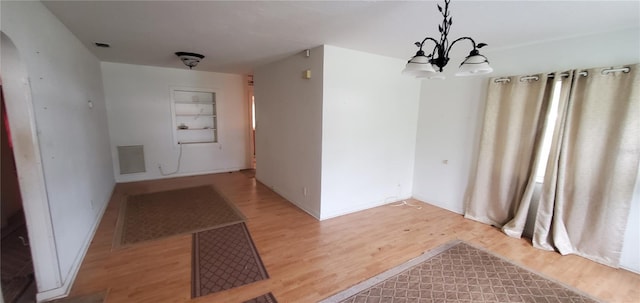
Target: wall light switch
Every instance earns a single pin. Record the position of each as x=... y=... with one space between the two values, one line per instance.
x=307 y=74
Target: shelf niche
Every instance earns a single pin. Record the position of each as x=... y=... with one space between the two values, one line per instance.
x=194 y=116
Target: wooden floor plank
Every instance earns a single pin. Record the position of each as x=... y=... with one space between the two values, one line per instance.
x=309 y=260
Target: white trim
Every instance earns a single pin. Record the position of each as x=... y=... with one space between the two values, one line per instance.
x=308 y=211
x=439 y=205
x=70 y=278
x=250 y=105
x=207 y=172
x=633 y=270
x=361 y=207
x=302 y=207
x=20 y=111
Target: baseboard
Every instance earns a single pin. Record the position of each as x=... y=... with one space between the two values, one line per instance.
x=423 y=199
x=311 y=213
x=215 y=171
x=630 y=269
x=360 y=207
x=53 y=294
x=68 y=280
x=308 y=211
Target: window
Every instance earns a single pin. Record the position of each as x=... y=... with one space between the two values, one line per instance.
x=547 y=135
x=194 y=116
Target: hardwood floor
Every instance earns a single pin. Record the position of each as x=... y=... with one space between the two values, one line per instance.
x=309 y=260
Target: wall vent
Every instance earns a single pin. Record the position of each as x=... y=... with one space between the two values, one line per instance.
x=131 y=159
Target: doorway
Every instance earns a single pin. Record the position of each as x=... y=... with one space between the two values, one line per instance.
x=21 y=130
x=253 y=132
x=16 y=265
x=252 y=123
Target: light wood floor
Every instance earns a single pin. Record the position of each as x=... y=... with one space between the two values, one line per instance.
x=309 y=260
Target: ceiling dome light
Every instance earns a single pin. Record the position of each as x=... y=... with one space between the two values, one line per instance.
x=474 y=64
x=190 y=59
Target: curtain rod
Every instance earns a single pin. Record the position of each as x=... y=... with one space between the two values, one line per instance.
x=552 y=75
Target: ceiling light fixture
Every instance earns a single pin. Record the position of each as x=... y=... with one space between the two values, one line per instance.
x=430 y=66
x=190 y=59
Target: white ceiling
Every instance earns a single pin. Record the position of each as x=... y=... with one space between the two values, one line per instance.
x=237 y=36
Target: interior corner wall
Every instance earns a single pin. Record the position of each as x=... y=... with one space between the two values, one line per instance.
x=73 y=138
x=289 y=128
x=139 y=109
x=369 y=120
x=449 y=120
x=450 y=116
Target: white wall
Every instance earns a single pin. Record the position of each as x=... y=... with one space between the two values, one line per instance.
x=369 y=125
x=449 y=120
x=289 y=128
x=73 y=138
x=139 y=112
x=630 y=257
x=451 y=111
x=341 y=141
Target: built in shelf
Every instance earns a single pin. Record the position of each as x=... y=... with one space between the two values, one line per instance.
x=195 y=115
x=194 y=102
x=196 y=142
x=196 y=129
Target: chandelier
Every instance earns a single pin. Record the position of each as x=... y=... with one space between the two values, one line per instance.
x=431 y=66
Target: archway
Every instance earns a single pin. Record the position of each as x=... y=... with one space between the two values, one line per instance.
x=20 y=113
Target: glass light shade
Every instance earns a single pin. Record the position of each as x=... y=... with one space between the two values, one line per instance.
x=431 y=75
x=438 y=76
x=417 y=66
x=474 y=64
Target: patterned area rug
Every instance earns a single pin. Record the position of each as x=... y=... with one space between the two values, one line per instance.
x=159 y=215
x=458 y=272
x=266 y=298
x=224 y=258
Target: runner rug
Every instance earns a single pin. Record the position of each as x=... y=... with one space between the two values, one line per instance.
x=266 y=298
x=158 y=215
x=224 y=258
x=458 y=272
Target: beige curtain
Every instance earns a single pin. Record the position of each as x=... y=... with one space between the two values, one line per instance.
x=513 y=124
x=592 y=167
x=515 y=226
